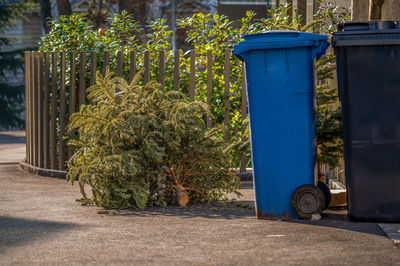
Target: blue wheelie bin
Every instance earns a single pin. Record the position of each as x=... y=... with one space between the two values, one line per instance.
x=280 y=89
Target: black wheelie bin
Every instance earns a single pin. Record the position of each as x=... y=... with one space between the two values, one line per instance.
x=368 y=64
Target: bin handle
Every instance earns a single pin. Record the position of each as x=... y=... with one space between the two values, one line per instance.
x=238 y=50
x=320 y=51
x=276 y=34
x=353 y=26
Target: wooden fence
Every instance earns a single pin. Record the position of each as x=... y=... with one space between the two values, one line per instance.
x=46 y=93
x=46 y=81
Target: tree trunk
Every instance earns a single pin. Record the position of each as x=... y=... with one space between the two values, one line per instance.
x=375 y=9
x=138 y=10
x=302 y=7
x=391 y=10
x=64 y=7
x=359 y=10
x=45 y=13
x=123 y=5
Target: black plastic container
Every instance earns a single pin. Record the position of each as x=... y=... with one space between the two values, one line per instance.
x=368 y=61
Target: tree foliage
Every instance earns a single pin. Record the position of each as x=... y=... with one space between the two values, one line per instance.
x=329 y=142
x=11 y=63
x=216 y=33
x=139 y=146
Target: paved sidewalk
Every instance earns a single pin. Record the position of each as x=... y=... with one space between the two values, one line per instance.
x=392 y=231
x=42 y=224
x=12 y=147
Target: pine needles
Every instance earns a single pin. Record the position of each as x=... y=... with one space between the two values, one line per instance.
x=139 y=147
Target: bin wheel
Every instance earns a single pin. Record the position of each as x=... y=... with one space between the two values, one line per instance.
x=308 y=200
x=327 y=193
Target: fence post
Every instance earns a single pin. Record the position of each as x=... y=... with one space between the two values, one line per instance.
x=72 y=95
x=106 y=61
x=27 y=74
x=93 y=68
x=209 y=86
x=40 y=109
x=161 y=68
x=36 y=109
x=227 y=77
x=132 y=65
x=243 y=160
x=192 y=86
x=62 y=113
x=46 y=128
x=31 y=106
x=120 y=64
x=176 y=69
x=146 y=77
x=82 y=78
x=53 y=130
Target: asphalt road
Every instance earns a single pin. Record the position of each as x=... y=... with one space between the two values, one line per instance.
x=42 y=224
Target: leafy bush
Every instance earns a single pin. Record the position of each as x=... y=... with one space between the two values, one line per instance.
x=139 y=146
x=329 y=141
x=216 y=33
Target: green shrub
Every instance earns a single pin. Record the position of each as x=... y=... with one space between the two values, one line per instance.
x=139 y=146
x=217 y=34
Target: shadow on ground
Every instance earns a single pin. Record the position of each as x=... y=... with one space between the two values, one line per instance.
x=217 y=210
x=339 y=219
x=214 y=210
x=17 y=231
x=332 y=218
x=242 y=209
x=11 y=139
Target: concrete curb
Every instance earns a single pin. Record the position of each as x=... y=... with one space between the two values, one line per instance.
x=392 y=231
x=41 y=171
x=245 y=176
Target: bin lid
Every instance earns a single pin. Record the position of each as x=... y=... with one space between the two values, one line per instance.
x=277 y=40
x=367 y=33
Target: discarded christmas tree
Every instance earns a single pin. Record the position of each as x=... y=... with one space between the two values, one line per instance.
x=139 y=146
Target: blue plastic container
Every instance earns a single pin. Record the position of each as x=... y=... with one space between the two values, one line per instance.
x=280 y=91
